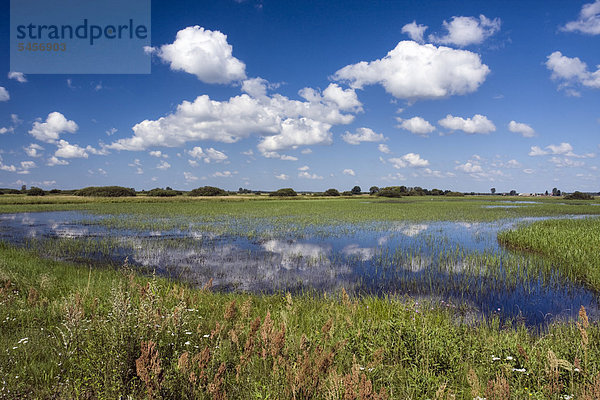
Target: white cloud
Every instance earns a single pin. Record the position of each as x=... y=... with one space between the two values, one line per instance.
x=416 y=125
x=282 y=177
x=33 y=150
x=528 y=171
x=478 y=124
x=362 y=135
x=209 y=155
x=521 y=128
x=7 y=168
x=588 y=21
x=26 y=166
x=4 y=130
x=413 y=71
x=274 y=154
x=409 y=160
x=464 y=31
x=193 y=163
x=224 y=174
x=163 y=165
x=67 y=150
x=384 y=148
x=415 y=31
x=282 y=123
x=561 y=162
x=18 y=76
x=4 y=96
x=189 y=177
x=513 y=164
x=52 y=161
x=564 y=149
x=308 y=175
x=306 y=151
x=55 y=124
x=469 y=168
x=111 y=131
x=158 y=154
x=349 y=172
x=203 y=53
x=572 y=71
x=304 y=168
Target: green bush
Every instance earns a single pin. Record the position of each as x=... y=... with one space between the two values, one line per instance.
x=285 y=192
x=390 y=191
x=158 y=192
x=455 y=194
x=578 y=196
x=35 y=191
x=208 y=191
x=331 y=192
x=106 y=191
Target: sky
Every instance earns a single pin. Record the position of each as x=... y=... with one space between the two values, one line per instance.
x=267 y=94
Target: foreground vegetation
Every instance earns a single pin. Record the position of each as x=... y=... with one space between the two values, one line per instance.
x=69 y=331
x=573 y=244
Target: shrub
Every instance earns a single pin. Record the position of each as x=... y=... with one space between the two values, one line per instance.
x=285 y=192
x=373 y=190
x=455 y=194
x=208 y=191
x=390 y=191
x=35 y=191
x=162 y=192
x=106 y=191
x=356 y=190
x=331 y=192
x=347 y=193
x=55 y=191
x=578 y=196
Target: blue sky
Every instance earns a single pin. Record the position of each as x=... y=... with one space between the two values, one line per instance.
x=453 y=95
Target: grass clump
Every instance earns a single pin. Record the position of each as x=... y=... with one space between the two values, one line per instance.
x=70 y=331
x=106 y=191
x=579 y=196
x=572 y=244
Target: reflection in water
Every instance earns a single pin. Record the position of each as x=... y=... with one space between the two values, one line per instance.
x=448 y=261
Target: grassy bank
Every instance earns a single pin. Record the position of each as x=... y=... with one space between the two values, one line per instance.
x=572 y=244
x=69 y=331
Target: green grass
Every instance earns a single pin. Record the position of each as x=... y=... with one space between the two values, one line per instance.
x=70 y=331
x=573 y=245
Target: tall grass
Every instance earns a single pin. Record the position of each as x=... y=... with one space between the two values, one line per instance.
x=69 y=331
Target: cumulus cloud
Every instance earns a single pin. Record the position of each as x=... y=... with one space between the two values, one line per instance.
x=588 y=21
x=349 y=172
x=4 y=96
x=416 y=125
x=67 y=150
x=18 y=76
x=33 y=150
x=408 y=160
x=308 y=175
x=414 y=71
x=362 y=135
x=513 y=164
x=163 y=165
x=415 y=31
x=478 y=124
x=7 y=168
x=189 y=177
x=571 y=71
x=282 y=177
x=203 y=53
x=55 y=125
x=521 y=128
x=384 y=148
x=282 y=123
x=209 y=155
x=26 y=166
x=52 y=161
x=464 y=31
x=158 y=154
x=564 y=149
x=223 y=174
x=469 y=168
x=562 y=162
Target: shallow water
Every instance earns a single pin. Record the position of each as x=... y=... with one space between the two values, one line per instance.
x=456 y=263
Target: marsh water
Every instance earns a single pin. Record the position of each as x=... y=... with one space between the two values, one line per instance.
x=457 y=264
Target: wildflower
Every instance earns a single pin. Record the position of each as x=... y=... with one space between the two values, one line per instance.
x=188 y=333
x=187 y=343
x=509 y=358
x=519 y=370
x=494 y=358
x=205 y=336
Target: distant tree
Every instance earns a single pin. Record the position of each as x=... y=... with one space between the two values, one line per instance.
x=436 y=192
x=493 y=190
x=555 y=192
x=356 y=190
x=106 y=191
x=208 y=191
x=331 y=192
x=546 y=193
x=55 y=191
x=391 y=191
x=284 y=192
x=244 y=191
x=373 y=190
x=162 y=192
x=578 y=196
x=417 y=191
x=23 y=188
x=513 y=192
x=347 y=193
x=35 y=191
x=455 y=194
x=168 y=188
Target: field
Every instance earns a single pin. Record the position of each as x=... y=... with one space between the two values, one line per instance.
x=108 y=327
